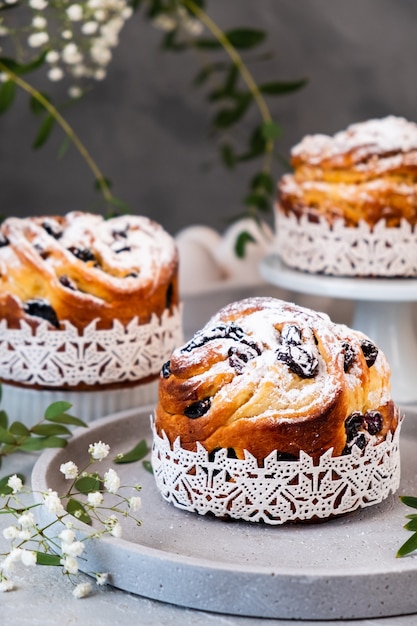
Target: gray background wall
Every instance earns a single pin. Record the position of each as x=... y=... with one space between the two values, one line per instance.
x=147 y=126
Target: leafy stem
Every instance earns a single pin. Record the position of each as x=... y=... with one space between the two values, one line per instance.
x=101 y=181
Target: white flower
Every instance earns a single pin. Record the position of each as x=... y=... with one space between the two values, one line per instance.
x=53 y=503
x=76 y=548
x=24 y=535
x=66 y=34
x=100 y=74
x=39 y=22
x=89 y=28
x=116 y=531
x=69 y=469
x=6 y=585
x=82 y=590
x=10 y=533
x=164 y=22
x=70 y=565
x=38 y=5
x=55 y=74
x=13 y=557
x=26 y=520
x=3 y=31
x=52 y=56
x=75 y=12
x=102 y=578
x=28 y=558
x=95 y=498
x=75 y=92
x=99 y=450
x=67 y=535
x=71 y=54
x=35 y=40
x=111 y=481
x=135 y=503
x=100 y=53
x=15 y=483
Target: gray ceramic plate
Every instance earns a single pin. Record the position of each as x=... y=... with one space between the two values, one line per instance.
x=340 y=569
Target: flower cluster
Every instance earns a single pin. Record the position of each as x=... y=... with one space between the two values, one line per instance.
x=60 y=542
x=77 y=38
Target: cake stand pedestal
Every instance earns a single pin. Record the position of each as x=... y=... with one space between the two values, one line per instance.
x=383 y=311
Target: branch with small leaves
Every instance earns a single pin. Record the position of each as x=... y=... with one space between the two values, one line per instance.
x=411 y=544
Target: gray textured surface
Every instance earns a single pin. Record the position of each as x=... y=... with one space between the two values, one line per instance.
x=148 y=127
x=345 y=568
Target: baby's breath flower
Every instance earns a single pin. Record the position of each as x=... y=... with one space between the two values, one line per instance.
x=26 y=520
x=75 y=12
x=13 y=557
x=102 y=578
x=6 y=585
x=66 y=34
x=38 y=5
x=111 y=481
x=10 y=533
x=69 y=469
x=55 y=74
x=52 y=56
x=98 y=451
x=75 y=92
x=74 y=549
x=117 y=531
x=82 y=590
x=95 y=498
x=28 y=558
x=38 y=39
x=15 y=483
x=53 y=503
x=89 y=28
x=69 y=564
x=39 y=22
x=135 y=503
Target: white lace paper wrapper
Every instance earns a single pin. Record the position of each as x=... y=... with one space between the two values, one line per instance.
x=344 y=251
x=278 y=491
x=55 y=358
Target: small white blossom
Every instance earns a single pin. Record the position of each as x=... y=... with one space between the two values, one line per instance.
x=39 y=22
x=3 y=31
x=89 y=28
x=6 y=585
x=55 y=74
x=38 y=5
x=10 y=533
x=53 y=503
x=95 y=498
x=70 y=565
x=117 y=530
x=76 y=548
x=100 y=74
x=135 y=503
x=24 y=535
x=71 y=54
x=13 y=557
x=38 y=39
x=69 y=469
x=28 y=558
x=98 y=451
x=52 y=56
x=75 y=92
x=15 y=483
x=102 y=578
x=67 y=535
x=66 y=34
x=82 y=590
x=26 y=520
x=75 y=12
x=111 y=481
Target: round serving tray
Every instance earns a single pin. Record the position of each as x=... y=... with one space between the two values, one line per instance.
x=344 y=568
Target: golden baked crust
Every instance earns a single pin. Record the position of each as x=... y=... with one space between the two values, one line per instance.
x=367 y=172
x=80 y=267
x=267 y=375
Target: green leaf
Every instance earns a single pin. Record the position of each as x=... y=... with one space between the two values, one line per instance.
x=4 y=419
x=207 y=71
x=227 y=117
x=19 y=429
x=43 y=558
x=44 y=131
x=411 y=525
x=24 y=68
x=270 y=130
x=37 y=107
x=245 y=38
x=137 y=453
x=99 y=182
x=6 y=437
x=278 y=88
x=64 y=147
x=7 y=94
x=48 y=430
x=170 y=42
x=33 y=444
x=409 y=546
x=76 y=508
x=409 y=501
x=56 y=408
x=258 y=200
x=70 y=420
x=264 y=181
x=87 y=484
x=5 y=489
x=241 y=242
x=227 y=155
x=148 y=466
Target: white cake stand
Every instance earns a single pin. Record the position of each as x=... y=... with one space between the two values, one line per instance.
x=383 y=311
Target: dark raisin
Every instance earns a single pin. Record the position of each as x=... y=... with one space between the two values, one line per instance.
x=84 y=254
x=120 y=249
x=41 y=308
x=132 y=275
x=370 y=352
x=299 y=360
x=349 y=355
x=222 y=331
x=67 y=282
x=41 y=251
x=198 y=409
x=360 y=441
x=291 y=334
x=166 y=369
x=52 y=228
x=3 y=241
x=168 y=296
x=353 y=423
x=373 y=422
x=120 y=234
